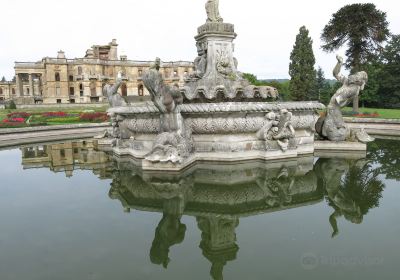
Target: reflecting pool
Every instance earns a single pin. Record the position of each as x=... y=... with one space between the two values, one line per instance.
x=69 y=211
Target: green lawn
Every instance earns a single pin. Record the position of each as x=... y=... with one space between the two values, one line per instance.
x=383 y=113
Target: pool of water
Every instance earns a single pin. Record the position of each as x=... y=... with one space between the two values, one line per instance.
x=68 y=211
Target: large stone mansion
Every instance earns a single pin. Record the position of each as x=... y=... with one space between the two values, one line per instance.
x=80 y=80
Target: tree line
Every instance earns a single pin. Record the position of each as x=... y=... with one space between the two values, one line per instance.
x=363 y=30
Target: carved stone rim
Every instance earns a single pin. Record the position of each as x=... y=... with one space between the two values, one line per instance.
x=225 y=107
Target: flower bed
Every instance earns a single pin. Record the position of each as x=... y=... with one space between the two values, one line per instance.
x=23 y=115
x=361 y=115
x=54 y=114
x=23 y=119
x=93 y=117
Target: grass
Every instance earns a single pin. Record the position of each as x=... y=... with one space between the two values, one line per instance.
x=383 y=113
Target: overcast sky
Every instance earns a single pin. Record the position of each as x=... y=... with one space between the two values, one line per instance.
x=144 y=29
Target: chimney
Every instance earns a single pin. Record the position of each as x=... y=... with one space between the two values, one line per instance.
x=60 y=55
x=113 y=50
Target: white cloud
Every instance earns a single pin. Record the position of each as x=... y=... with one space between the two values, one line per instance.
x=145 y=29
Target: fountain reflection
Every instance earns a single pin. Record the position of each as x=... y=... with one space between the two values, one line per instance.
x=219 y=195
x=352 y=187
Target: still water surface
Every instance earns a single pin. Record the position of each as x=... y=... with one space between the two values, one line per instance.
x=68 y=211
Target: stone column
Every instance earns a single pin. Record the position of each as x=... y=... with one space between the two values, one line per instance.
x=19 y=88
x=31 y=91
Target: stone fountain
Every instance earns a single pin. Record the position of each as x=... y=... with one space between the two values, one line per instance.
x=216 y=116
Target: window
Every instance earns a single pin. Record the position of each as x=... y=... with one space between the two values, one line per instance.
x=1 y=91
x=93 y=89
x=140 y=73
x=27 y=91
x=175 y=72
x=80 y=89
x=71 y=78
x=62 y=153
x=140 y=90
x=58 y=101
x=124 y=90
x=57 y=77
x=13 y=91
x=72 y=101
x=71 y=91
x=79 y=70
x=1 y=98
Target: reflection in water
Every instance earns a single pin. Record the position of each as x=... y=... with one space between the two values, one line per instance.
x=170 y=231
x=65 y=157
x=352 y=188
x=218 y=196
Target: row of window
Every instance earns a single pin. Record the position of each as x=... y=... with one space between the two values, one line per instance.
x=124 y=90
x=71 y=77
x=12 y=91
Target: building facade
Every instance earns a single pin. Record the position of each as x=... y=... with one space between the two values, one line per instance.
x=80 y=80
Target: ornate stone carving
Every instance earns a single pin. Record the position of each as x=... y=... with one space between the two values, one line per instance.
x=305 y=108
x=332 y=126
x=111 y=92
x=174 y=143
x=278 y=128
x=224 y=66
x=216 y=76
x=142 y=125
x=212 y=10
x=200 y=63
x=264 y=132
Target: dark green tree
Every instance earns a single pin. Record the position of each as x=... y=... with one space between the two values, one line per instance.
x=324 y=89
x=301 y=68
x=251 y=78
x=282 y=87
x=389 y=76
x=369 y=97
x=361 y=27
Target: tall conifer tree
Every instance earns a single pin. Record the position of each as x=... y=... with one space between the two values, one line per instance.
x=301 y=68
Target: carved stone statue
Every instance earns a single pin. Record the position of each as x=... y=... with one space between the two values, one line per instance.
x=333 y=126
x=351 y=86
x=200 y=63
x=111 y=92
x=174 y=141
x=278 y=128
x=285 y=130
x=212 y=9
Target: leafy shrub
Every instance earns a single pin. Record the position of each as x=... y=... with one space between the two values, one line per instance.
x=11 y=105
